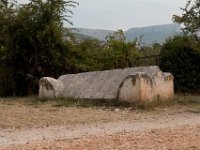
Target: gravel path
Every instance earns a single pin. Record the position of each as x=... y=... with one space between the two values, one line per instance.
x=175 y=131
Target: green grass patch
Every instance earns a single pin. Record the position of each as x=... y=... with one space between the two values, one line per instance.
x=186 y=100
x=182 y=99
x=32 y=100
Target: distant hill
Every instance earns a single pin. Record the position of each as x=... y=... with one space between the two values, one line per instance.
x=83 y=36
x=79 y=36
x=150 y=34
x=95 y=33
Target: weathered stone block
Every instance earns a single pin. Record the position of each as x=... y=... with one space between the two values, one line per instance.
x=129 y=84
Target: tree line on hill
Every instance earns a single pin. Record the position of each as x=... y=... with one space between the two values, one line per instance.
x=32 y=46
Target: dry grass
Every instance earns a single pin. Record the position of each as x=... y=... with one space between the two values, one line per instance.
x=23 y=115
x=31 y=112
x=26 y=120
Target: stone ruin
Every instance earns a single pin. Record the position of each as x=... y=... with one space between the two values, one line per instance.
x=142 y=84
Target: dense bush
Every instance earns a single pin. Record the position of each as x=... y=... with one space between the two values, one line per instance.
x=180 y=55
x=90 y=55
x=31 y=44
x=122 y=53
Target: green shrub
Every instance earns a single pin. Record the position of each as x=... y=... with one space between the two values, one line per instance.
x=180 y=55
x=31 y=44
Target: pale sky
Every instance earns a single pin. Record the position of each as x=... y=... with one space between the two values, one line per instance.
x=123 y=14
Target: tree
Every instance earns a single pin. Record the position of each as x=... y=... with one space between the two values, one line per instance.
x=32 y=45
x=8 y=11
x=122 y=51
x=180 y=55
x=85 y=56
x=190 y=17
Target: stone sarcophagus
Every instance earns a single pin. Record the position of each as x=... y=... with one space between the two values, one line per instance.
x=143 y=84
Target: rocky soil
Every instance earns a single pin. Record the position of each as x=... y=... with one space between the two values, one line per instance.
x=44 y=127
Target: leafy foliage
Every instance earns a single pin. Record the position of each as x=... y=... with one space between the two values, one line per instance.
x=183 y=53
x=31 y=42
x=85 y=56
x=180 y=55
x=190 y=17
x=91 y=54
x=122 y=53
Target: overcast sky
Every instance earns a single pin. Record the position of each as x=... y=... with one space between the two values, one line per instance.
x=123 y=14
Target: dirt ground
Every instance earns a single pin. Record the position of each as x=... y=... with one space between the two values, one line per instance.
x=25 y=126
